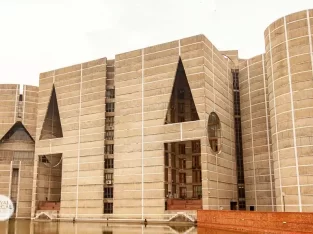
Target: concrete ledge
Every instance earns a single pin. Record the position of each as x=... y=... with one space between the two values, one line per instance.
x=257 y=222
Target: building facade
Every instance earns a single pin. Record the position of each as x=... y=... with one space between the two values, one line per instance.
x=179 y=126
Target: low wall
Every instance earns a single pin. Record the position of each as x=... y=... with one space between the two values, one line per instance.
x=269 y=222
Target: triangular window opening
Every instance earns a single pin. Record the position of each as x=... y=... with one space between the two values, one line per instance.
x=17 y=133
x=182 y=107
x=51 y=127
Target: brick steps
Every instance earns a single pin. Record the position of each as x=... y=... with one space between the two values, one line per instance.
x=49 y=206
x=177 y=204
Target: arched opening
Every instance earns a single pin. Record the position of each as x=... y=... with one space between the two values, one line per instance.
x=214 y=132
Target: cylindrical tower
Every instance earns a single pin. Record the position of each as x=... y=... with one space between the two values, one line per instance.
x=289 y=62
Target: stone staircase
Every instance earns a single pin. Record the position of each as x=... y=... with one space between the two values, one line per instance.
x=47 y=210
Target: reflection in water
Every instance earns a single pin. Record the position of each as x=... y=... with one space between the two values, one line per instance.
x=27 y=227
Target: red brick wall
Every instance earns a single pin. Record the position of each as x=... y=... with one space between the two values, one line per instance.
x=272 y=222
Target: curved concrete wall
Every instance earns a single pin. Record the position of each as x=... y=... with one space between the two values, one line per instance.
x=255 y=134
x=289 y=60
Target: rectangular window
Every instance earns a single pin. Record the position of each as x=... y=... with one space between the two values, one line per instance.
x=108 y=176
x=196 y=161
x=182 y=192
x=109 y=149
x=182 y=149
x=109 y=135
x=173 y=176
x=181 y=107
x=182 y=178
x=196 y=148
x=108 y=192
x=109 y=163
x=108 y=208
x=173 y=189
x=196 y=176
x=166 y=159
x=109 y=121
x=109 y=107
x=197 y=191
x=110 y=93
x=182 y=163
x=166 y=175
x=173 y=161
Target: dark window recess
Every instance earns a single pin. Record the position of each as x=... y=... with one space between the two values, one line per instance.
x=182 y=163
x=181 y=101
x=166 y=175
x=109 y=135
x=110 y=93
x=109 y=107
x=182 y=178
x=109 y=121
x=182 y=148
x=181 y=118
x=183 y=192
x=108 y=192
x=197 y=191
x=196 y=147
x=108 y=178
x=173 y=161
x=109 y=163
x=166 y=159
x=109 y=149
x=108 y=208
x=196 y=162
x=20 y=98
x=181 y=107
x=181 y=94
x=238 y=141
x=196 y=176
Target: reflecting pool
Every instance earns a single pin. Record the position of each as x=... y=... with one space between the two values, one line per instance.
x=27 y=227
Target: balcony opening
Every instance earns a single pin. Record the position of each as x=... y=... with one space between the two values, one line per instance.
x=51 y=127
x=49 y=181
x=181 y=107
x=182 y=175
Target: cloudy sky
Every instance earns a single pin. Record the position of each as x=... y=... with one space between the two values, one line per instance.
x=41 y=35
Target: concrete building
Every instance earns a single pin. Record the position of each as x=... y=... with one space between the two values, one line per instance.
x=174 y=127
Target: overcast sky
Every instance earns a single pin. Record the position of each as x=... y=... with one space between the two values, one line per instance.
x=41 y=35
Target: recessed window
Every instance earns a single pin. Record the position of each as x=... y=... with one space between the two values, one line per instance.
x=109 y=107
x=109 y=163
x=196 y=147
x=108 y=192
x=182 y=178
x=197 y=191
x=182 y=149
x=108 y=208
x=110 y=93
x=109 y=149
x=109 y=135
x=182 y=163
x=181 y=107
x=214 y=132
x=109 y=121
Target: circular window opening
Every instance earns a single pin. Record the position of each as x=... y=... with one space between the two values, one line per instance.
x=214 y=132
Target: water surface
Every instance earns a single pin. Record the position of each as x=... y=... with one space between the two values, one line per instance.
x=28 y=227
